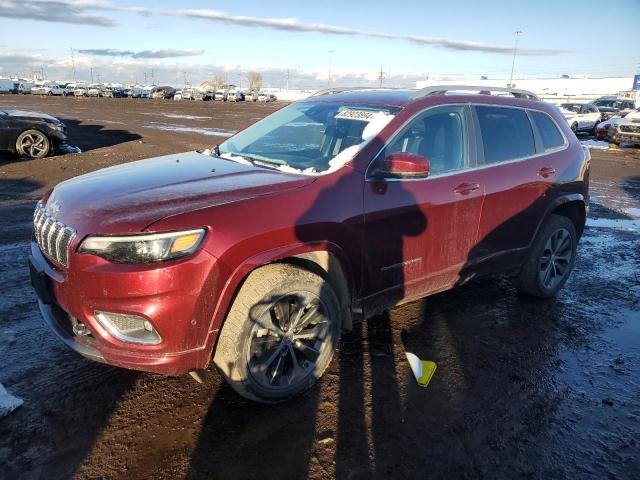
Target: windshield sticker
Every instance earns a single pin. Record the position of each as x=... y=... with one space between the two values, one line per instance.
x=362 y=115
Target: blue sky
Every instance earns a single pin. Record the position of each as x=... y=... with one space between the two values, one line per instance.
x=124 y=40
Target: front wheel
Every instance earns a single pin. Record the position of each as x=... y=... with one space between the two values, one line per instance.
x=280 y=333
x=551 y=259
x=33 y=144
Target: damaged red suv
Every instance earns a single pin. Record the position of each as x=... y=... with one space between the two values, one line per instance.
x=256 y=255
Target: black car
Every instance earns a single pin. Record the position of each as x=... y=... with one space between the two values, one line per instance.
x=31 y=134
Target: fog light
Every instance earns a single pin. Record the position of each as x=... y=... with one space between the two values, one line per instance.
x=128 y=328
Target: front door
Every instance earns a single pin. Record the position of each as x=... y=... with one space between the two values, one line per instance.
x=419 y=232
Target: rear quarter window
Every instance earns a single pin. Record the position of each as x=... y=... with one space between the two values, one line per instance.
x=548 y=130
x=506 y=134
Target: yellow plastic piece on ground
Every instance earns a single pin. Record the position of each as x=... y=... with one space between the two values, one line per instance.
x=423 y=370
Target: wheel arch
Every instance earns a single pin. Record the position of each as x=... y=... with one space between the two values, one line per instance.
x=573 y=206
x=326 y=259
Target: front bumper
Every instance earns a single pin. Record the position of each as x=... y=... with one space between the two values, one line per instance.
x=624 y=137
x=177 y=298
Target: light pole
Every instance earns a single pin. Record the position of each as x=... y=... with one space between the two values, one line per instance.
x=513 y=63
x=329 y=77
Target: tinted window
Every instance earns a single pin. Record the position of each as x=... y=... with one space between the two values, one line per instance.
x=549 y=133
x=438 y=134
x=506 y=134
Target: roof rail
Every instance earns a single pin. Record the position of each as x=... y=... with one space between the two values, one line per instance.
x=333 y=90
x=443 y=89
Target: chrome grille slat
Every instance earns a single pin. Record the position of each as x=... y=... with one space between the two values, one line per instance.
x=53 y=237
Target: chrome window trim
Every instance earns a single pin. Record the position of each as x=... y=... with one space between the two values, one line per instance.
x=561 y=148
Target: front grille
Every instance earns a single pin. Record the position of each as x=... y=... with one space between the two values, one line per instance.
x=53 y=237
x=630 y=128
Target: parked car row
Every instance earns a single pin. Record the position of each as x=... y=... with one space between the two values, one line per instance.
x=224 y=95
x=587 y=117
x=82 y=89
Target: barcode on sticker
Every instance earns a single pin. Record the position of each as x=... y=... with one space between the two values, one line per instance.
x=363 y=115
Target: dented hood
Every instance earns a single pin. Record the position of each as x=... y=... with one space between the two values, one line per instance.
x=127 y=198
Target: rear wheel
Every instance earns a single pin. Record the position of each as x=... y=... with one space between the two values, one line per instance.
x=280 y=333
x=33 y=144
x=551 y=259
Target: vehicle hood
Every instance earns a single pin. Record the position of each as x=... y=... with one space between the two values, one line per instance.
x=127 y=198
x=36 y=115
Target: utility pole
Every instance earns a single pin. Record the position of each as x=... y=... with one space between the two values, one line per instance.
x=381 y=77
x=184 y=74
x=515 y=51
x=152 y=76
x=73 y=65
x=91 y=70
x=288 y=76
x=329 y=76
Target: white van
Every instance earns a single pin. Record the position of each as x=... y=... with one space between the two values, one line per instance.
x=222 y=95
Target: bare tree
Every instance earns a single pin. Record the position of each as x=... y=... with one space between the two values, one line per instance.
x=218 y=81
x=255 y=81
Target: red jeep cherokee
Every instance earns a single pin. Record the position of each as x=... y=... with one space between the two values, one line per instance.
x=256 y=255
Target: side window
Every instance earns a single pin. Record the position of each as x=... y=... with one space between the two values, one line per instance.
x=439 y=135
x=549 y=133
x=506 y=134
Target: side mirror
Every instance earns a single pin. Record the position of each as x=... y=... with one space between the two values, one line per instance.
x=405 y=165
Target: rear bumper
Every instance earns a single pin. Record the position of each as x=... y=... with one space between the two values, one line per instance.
x=67 y=298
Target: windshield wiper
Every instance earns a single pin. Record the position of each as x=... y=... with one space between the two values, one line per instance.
x=258 y=161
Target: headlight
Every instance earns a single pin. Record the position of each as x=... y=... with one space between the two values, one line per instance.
x=144 y=248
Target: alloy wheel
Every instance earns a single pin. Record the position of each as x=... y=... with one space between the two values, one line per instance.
x=287 y=340
x=34 y=144
x=556 y=258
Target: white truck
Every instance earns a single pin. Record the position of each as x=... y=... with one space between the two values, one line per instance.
x=47 y=88
x=221 y=94
x=235 y=96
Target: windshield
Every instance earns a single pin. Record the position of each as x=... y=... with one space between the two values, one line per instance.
x=310 y=138
x=572 y=107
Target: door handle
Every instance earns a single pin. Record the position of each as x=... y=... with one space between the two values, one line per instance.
x=466 y=188
x=545 y=172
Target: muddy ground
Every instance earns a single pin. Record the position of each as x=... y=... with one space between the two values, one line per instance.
x=523 y=389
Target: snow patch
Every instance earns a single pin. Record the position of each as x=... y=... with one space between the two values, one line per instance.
x=623 y=224
x=597 y=144
x=214 y=132
x=8 y=402
x=632 y=212
x=177 y=115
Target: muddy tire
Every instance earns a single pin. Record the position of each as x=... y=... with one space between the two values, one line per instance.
x=33 y=144
x=280 y=333
x=551 y=258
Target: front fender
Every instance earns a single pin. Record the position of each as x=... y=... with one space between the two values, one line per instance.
x=239 y=274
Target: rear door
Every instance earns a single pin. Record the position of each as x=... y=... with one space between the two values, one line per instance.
x=517 y=170
x=419 y=232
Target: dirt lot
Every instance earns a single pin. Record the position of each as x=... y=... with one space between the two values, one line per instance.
x=523 y=389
